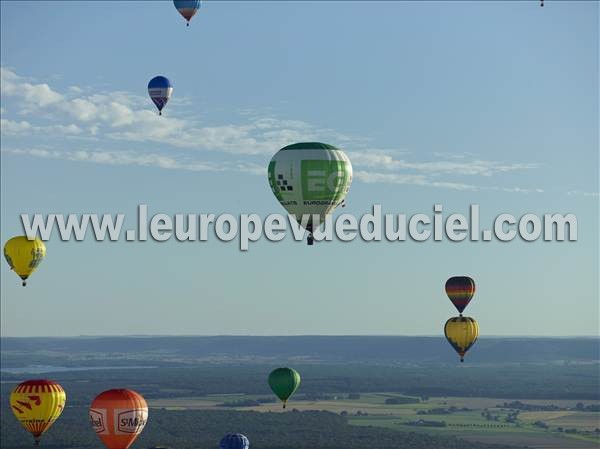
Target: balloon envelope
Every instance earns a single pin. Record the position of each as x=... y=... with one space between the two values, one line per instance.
x=460 y=290
x=461 y=332
x=24 y=255
x=310 y=178
x=118 y=417
x=187 y=8
x=160 y=90
x=37 y=404
x=234 y=441
x=284 y=382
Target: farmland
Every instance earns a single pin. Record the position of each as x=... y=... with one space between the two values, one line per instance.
x=470 y=418
x=199 y=388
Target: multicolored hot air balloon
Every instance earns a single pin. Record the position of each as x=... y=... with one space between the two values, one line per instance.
x=310 y=178
x=460 y=290
x=284 y=382
x=187 y=8
x=160 y=90
x=118 y=417
x=37 y=404
x=461 y=332
x=234 y=441
x=24 y=255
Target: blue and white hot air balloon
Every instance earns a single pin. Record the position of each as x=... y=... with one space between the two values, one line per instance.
x=234 y=441
x=187 y=8
x=160 y=90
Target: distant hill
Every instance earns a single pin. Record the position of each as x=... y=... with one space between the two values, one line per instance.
x=322 y=349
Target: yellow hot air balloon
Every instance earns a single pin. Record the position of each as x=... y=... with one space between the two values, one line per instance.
x=37 y=404
x=461 y=332
x=24 y=255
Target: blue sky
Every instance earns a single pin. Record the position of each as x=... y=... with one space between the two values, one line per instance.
x=453 y=103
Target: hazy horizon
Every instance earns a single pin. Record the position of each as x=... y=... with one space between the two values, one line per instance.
x=293 y=335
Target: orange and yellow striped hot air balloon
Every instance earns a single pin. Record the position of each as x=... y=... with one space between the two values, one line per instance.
x=37 y=404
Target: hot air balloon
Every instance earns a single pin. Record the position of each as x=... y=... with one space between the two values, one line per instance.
x=310 y=178
x=461 y=332
x=37 y=404
x=187 y=8
x=284 y=382
x=118 y=417
x=460 y=290
x=234 y=441
x=24 y=255
x=160 y=90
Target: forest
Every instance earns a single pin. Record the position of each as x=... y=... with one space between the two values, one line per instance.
x=519 y=381
x=192 y=429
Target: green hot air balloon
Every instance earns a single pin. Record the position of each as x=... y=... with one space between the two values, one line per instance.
x=310 y=178
x=283 y=382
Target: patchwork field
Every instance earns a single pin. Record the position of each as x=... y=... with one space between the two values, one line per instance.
x=478 y=419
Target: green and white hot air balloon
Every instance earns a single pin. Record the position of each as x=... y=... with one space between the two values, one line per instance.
x=310 y=178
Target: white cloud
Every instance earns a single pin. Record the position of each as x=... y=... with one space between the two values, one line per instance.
x=186 y=163
x=426 y=181
x=140 y=159
x=12 y=128
x=377 y=166
x=126 y=117
x=122 y=117
x=513 y=189
x=32 y=95
x=462 y=155
x=420 y=180
x=586 y=194
x=385 y=161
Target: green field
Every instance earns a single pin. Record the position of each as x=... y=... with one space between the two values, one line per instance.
x=371 y=410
